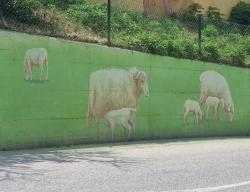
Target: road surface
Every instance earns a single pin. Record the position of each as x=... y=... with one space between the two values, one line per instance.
x=157 y=166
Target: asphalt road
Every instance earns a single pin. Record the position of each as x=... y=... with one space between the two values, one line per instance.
x=182 y=166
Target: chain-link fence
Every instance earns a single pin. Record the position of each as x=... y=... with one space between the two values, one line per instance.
x=145 y=25
x=188 y=34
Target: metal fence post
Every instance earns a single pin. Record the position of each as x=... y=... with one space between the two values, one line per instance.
x=109 y=22
x=199 y=32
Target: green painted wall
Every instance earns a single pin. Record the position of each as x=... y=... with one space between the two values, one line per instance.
x=35 y=113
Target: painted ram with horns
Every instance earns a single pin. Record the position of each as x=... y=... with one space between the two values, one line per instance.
x=112 y=89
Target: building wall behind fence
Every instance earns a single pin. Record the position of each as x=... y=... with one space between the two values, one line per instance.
x=159 y=8
x=136 y=5
x=179 y=5
x=36 y=113
x=225 y=6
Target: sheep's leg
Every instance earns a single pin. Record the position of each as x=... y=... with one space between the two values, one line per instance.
x=216 y=112
x=207 y=112
x=97 y=129
x=132 y=125
x=202 y=98
x=30 y=72
x=47 y=73
x=112 y=133
x=193 y=118
x=197 y=117
x=125 y=131
x=200 y=115
x=26 y=72
x=107 y=124
x=41 y=74
x=112 y=130
x=185 y=117
x=89 y=123
x=47 y=68
x=127 y=128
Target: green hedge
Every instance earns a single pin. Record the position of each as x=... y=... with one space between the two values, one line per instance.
x=22 y=11
x=241 y=13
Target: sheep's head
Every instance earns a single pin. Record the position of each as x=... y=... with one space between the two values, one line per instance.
x=229 y=109
x=140 y=79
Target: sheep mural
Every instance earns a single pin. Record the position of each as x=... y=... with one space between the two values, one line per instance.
x=214 y=103
x=215 y=94
x=114 y=89
x=124 y=117
x=36 y=57
x=214 y=84
x=191 y=106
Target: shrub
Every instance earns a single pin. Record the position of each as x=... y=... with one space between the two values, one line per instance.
x=195 y=9
x=210 y=51
x=61 y=4
x=190 y=14
x=93 y=16
x=190 y=49
x=241 y=13
x=149 y=41
x=214 y=13
x=22 y=11
x=173 y=48
x=236 y=55
x=127 y=21
x=172 y=26
x=210 y=31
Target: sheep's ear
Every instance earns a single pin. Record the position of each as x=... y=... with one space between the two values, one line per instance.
x=136 y=75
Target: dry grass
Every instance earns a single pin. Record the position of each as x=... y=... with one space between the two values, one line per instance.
x=56 y=24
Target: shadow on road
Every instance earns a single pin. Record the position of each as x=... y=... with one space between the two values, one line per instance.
x=18 y=164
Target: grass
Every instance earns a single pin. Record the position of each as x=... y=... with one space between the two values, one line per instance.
x=54 y=112
x=176 y=35
x=56 y=24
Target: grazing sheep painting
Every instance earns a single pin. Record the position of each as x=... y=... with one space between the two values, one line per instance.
x=191 y=106
x=36 y=57
x=214 y=84
x=214 y=103
x=113 y=89
x=124 y=117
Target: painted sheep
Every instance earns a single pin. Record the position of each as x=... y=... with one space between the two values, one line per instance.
x=215 y=104
x=112 y=89
x=124 y=117
x=36 y=57
x=193 y=107
x=214 y=84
